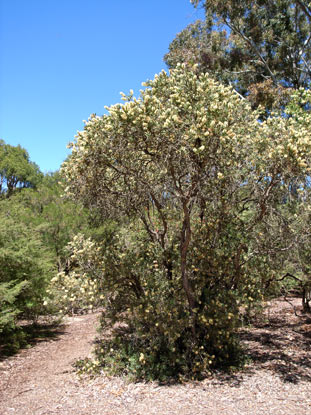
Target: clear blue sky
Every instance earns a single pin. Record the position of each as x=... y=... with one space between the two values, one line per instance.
x=61 y=60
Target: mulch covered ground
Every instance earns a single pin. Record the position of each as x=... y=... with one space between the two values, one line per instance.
x=41 y=380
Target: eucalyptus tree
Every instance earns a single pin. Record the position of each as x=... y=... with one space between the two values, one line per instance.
x=261 y=48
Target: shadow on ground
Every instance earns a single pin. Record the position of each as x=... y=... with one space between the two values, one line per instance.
x=28 y=335
x=281 y=344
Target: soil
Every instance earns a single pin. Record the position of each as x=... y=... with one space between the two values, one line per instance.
x=42 y=380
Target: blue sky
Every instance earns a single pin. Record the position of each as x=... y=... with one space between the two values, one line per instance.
x=61 y=60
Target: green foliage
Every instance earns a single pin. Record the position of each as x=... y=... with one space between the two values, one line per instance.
x=16 y=170
x=8 y=294
x=23 y=260
x=11 y=337
x=35 y=227
x=80 y=289
x=57 y=219
x=297 y=270
x=145 y=314
x=201 y=183
x=261 y=48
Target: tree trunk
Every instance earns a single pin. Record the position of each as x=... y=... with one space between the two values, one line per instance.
x=306 y=300
x=184 y=246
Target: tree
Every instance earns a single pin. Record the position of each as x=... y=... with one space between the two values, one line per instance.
x=296 y=210
x=16 y=170
x=26 y=267
x=9 y=292
x=200 y=180
x=23 y=260
x=57 y=218
x=261 y=48
x=35 y=227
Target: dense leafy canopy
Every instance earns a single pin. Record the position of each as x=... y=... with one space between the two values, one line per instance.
x=261 y=48
x=16 y=170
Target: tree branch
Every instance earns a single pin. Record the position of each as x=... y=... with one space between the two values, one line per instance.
x=253 y=46
x=304 y=8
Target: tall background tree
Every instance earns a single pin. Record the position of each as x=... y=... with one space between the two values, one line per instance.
x=262 y=48
x=16 y=169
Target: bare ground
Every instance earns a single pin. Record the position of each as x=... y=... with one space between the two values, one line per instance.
x=41 y=380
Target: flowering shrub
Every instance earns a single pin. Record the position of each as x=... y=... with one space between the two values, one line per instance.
x=197 y=185
x=80 y=289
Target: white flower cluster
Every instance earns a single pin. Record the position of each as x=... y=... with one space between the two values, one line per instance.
x=80 y=289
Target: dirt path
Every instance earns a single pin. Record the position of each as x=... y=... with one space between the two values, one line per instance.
x=41 y=380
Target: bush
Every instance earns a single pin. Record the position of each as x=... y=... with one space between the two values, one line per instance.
x=78 y=290
x=25 y=270
x=201 y=184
